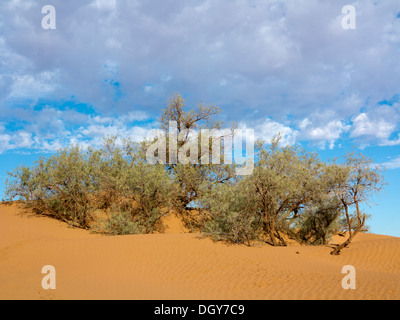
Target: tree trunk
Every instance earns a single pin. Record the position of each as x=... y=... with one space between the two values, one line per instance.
x=282 y=241
x=270 y=230
x=337 y=250
x=274 y=235
x=361 y=223
x=270 y=233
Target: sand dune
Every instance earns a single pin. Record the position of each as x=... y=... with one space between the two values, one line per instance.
x=179 y=265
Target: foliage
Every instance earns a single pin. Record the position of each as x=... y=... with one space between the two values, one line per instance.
x=191 y=178
x=62 y=186
x=233 y=214
x=72 y=184
x=291 y=193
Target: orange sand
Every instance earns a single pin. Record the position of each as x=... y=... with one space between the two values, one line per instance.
x=178 y=265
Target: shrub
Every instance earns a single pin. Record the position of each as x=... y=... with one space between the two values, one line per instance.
x=151 y=190
x=233 y=215
x=291 y=191
x=122 y=223
x=62 y=186
x=317 y=225
x=72 y=184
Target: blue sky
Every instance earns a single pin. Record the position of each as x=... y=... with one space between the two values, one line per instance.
x=273 y=65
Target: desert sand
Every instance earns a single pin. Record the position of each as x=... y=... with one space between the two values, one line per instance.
x=181 y=265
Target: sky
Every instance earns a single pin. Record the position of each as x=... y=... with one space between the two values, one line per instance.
x=110 y=66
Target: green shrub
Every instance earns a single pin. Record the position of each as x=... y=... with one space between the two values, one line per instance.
x=122 y=223
x=232 y=214
x=290 y=193
x=72 y=184
x=61 y=186
x=318 y=224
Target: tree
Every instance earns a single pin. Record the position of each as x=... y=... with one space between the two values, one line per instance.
x=134 y=193
x=290 y=194
x=322 y=215
x=285 y=180
x=232 y=213
x=62 y=185
x=359 y=184
x=191 y=176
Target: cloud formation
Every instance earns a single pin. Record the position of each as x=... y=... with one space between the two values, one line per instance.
x=392 y=164
x=273 y=65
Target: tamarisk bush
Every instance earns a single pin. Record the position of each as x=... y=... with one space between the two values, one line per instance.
x=291 y=194
x=233 y=213
x=62 y=186
x=73 y=184
x=191 y=178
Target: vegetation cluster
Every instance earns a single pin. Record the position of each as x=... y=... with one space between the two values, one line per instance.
x=291 y=195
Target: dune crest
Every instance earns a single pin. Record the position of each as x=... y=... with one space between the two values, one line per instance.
x=181 y=265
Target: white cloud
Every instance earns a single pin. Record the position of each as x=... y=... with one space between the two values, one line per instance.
x=322 y=129
x=49 y=130
x=269 y=129
x=31 y=86
x=291 y=56
x=5 y=142
x=363 y=126
x=104 y=4
x=265 y=45
x=23 y=139
x=377 y=125
x=134 y=116
x=392 y=164
x=390 y=142
x=20 y=4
